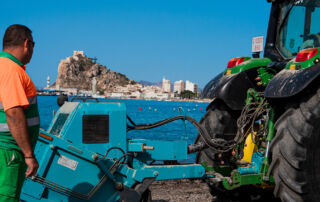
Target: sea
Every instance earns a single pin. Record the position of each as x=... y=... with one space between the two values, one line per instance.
x=144 y=112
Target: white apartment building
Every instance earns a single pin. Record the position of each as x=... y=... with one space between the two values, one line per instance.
x=195 y=88
x=153 y=95
x=166 y=85
x=178 y=86
x=191 y=86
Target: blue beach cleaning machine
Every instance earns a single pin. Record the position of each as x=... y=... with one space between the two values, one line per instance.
x=85 y=155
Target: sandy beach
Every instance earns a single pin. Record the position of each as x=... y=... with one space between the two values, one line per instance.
x=180 y=190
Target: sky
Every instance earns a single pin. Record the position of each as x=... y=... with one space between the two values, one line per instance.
x=143 y=39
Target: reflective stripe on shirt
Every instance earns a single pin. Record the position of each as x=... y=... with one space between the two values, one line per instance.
x=4 y=127
x=31 y=122
x=32 y=100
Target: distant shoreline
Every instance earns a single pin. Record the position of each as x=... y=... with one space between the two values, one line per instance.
x=168 y=100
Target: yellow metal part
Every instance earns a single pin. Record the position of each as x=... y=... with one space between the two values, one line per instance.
x=292 y=67
x=249 y=148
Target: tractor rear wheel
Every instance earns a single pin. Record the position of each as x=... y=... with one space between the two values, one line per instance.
x=220 y=122
x=295 y=151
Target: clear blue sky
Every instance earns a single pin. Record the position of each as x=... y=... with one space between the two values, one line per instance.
x=146 y=40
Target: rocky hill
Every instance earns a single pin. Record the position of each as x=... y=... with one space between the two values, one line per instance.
x=149 y=83
x=78 y=71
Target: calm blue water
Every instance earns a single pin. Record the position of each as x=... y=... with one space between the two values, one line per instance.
x=143 y=112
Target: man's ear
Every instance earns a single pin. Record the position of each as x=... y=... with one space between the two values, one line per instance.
x=25 y=43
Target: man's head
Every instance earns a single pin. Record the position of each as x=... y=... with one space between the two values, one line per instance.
x=18 y=41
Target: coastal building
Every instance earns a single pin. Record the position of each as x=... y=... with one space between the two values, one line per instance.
x=178 y=87
x=191 y=86
x=69 y=91
x=166 y=85
x=48 y=82
x=115 y=95
x=136 y=94
x=157 y=96
x=195 y=88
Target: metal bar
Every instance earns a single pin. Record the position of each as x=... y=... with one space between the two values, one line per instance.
x=60 y=188
x=271 y=130
x=68 y=191
x=236 y=180
x=271 y=133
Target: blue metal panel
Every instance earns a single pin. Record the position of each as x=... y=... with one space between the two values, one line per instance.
x=70 y=170
x=32 y=189
x=42 y=152
x=167 y=172
x=163 y=150
x=135 y=147
x=160 y=172
x=117 y=127
x=27 y=198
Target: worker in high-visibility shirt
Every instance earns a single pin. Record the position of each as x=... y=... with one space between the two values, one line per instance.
x=19 y=116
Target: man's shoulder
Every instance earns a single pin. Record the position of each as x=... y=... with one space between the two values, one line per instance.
x=8 y=65
x=5 y=60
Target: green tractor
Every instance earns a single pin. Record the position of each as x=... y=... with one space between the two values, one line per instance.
x=264 y=118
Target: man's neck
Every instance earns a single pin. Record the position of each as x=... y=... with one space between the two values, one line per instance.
x=15 y=52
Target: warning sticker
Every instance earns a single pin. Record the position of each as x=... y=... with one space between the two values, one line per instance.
x=69 y=163
x=257 y=44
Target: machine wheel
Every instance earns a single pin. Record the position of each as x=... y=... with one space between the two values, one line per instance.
x=220 y=122
x=295 y=152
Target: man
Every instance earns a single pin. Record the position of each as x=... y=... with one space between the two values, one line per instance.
x=19 y=117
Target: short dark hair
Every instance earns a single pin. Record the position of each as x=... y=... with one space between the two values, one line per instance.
x=15 y=35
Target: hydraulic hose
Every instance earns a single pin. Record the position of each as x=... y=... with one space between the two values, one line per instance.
x=217 y=144
x=193 y=148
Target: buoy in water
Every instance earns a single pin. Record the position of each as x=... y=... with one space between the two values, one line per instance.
x=140 y=109
x=200 y=109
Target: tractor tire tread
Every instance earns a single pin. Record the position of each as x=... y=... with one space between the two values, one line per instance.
x=290 y=148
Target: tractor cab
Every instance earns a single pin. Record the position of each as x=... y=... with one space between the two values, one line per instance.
x=293 y=26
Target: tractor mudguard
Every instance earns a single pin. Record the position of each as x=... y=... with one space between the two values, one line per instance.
x=291 y=82
x=232 y=89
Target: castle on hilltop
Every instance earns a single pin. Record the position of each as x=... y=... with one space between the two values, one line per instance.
x=78 y=53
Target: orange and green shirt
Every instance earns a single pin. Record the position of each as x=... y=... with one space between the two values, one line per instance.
x=16 y=89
